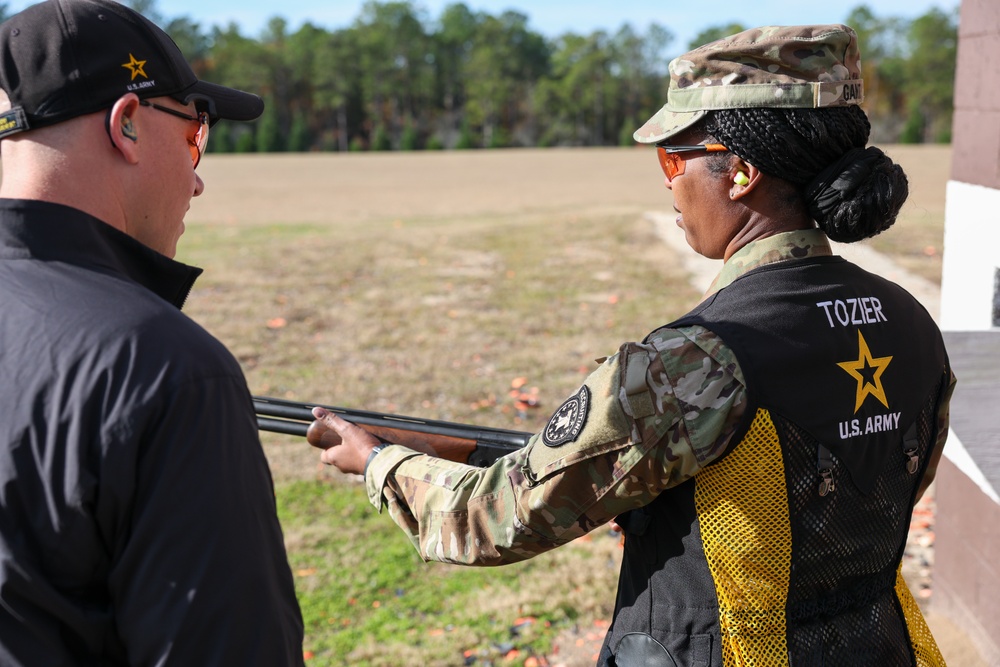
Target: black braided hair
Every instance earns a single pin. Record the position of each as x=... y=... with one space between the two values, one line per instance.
x=805 y=147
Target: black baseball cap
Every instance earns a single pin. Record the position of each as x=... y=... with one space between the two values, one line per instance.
x=61 y=59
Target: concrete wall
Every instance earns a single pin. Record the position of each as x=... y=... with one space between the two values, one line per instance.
x=972 y=216
x=967 y=570
x=967 y=524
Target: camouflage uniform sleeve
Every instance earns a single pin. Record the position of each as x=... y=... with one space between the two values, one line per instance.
x=649 y=418
x=944 y=411
x=943 y=425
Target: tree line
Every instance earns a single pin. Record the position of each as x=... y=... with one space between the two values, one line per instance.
x=396 y=79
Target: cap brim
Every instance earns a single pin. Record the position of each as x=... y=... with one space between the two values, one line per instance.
x=224 y=103
x=665 y=124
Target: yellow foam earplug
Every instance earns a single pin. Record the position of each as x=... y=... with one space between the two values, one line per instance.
x=741 y=178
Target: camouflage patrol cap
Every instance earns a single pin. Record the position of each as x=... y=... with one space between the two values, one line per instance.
x=791 y=67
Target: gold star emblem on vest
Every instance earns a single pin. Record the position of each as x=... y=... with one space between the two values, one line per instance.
x=136 y=67
x=867 y=370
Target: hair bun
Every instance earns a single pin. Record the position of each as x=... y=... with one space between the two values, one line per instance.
x=858 y=196
x=839 y=181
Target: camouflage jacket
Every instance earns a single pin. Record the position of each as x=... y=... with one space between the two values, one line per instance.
x=652 y=416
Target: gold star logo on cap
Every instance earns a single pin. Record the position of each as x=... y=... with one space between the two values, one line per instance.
x=136 y=66
x=867 y=370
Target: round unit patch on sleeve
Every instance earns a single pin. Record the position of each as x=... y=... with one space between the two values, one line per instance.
x=569 y=420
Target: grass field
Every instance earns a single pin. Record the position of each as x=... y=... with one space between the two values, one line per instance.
x=426 y=284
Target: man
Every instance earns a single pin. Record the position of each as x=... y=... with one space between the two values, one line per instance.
x=137 y=516
x=763 y=453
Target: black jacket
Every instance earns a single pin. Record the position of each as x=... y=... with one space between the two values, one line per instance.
x=137 y=514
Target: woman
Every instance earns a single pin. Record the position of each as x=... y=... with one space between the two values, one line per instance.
x=763 y=453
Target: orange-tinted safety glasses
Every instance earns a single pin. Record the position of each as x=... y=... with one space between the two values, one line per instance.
x=199 y=140
x=672 y=158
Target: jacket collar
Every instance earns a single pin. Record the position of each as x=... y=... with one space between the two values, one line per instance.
x=53 y=232
x=801 y=244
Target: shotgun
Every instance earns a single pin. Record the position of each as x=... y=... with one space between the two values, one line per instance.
x=462 y=443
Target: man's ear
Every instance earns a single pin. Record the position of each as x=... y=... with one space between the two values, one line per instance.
x=745 y=179
x=123 y=127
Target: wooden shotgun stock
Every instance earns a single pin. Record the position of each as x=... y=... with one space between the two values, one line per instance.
x=463 y=443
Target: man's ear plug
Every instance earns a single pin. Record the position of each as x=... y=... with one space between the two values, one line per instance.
x=128 y=131
x=741 y=179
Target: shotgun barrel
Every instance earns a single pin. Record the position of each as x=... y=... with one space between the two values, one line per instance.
x=465 y=443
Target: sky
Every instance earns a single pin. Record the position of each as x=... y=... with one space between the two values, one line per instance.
x=683 y=18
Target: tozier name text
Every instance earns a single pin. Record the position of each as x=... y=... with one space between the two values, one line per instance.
x=847 y=312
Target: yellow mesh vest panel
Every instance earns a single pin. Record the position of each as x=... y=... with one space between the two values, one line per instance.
x=924 y=646
x=743 y=513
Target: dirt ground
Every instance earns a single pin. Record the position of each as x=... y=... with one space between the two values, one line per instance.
x=353 y=188
x=338 y=189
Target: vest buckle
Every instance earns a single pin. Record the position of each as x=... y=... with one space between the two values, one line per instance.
x=911 y=443
x=826 y=484
x=824 y=467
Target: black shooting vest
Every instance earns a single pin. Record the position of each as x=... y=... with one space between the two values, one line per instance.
x=787 y=549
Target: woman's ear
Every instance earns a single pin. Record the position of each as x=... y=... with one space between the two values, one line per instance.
x=745 y=179
x=123 y=127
